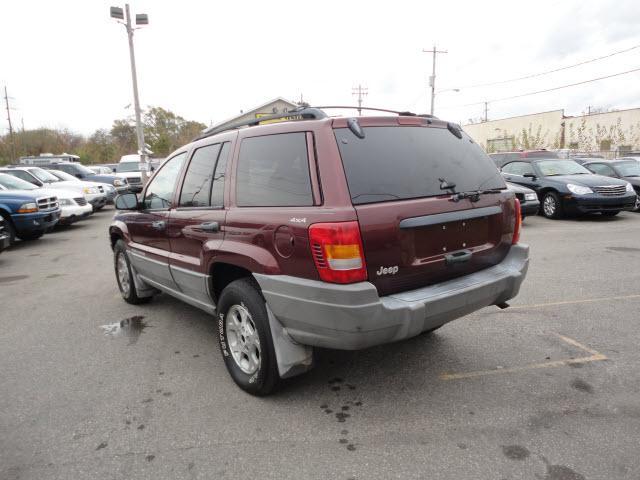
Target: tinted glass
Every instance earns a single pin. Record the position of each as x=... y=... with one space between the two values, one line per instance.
x=394 y=163
x=128 y=167
x=601 y=169
x=196 y=188
x=628 y=169
x=217 y=189
x=21 y=174
x=273 y=171
x=549 y=168
x=160 y=191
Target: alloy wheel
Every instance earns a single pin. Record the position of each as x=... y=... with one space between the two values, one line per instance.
x=549 y=206
x=123 y=274
x=243 y=339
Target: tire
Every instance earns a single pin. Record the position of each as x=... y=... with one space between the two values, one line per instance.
x=30 y=236
x=124 y=277
x=10 y=229
x=610 y=213
x=552 y=206
x=431 y=330
x=245 y=338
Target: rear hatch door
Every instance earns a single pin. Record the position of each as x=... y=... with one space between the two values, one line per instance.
x=404 y=178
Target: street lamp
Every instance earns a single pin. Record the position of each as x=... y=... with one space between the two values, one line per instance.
x=124 y=17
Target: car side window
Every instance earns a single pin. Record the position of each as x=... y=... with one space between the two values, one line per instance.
x=217 y=188
x=273 y=171
x=517 y=168
x=22 y=175
x=602 y=169
x=159 y=192
x=196 y=189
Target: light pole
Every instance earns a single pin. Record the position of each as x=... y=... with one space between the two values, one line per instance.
x=141 y=19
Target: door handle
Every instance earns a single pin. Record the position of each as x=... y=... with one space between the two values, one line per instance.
x=209 y=227
x=458 y=257
x=158 y=225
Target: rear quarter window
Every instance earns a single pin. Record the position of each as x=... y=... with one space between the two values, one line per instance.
x=273 y=171
x=396 y=163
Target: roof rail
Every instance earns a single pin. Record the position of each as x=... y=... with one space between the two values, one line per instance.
x=400 y=113
x=304 y=113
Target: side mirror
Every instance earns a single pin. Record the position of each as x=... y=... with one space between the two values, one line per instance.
x=127 y=201
x=532 y=176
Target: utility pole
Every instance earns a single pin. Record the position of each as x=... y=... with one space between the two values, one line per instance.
x=486 y=109
x=361 y=92
x=141 y=19
x=13 y=140
x=432 y=78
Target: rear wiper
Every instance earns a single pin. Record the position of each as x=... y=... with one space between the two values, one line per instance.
x=473 y=195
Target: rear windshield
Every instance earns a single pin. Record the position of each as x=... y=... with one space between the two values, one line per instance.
x=396 y=163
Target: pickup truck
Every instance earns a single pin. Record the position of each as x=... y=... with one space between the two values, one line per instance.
x=28 y=216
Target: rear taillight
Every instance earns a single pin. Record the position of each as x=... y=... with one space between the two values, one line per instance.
x=337 y=252
x=518 y=222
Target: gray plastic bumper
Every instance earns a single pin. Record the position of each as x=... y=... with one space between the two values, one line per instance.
x=351 y=317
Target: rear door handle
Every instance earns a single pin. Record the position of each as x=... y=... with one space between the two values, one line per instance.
x=158 y=225
x=458 y=257
x=209 y=227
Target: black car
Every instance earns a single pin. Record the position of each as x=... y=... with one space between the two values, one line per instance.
x=565 y=187
x=502 y=158
x=529 y=203
x=83 y=173
x=627 y=169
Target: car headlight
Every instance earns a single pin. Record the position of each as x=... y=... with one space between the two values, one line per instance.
x=118 y=183
x=90 y=190
x=630 y=188
x=65 y=202
x=530 y=197
x=578 y=189
x=30 y=207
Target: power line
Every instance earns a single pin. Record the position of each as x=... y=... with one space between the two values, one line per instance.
x=534 y=75
x=549 y=89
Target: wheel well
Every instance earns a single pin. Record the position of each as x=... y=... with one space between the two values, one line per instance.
x=544 y=191
x=4 y=214
x=223 y=274
x=115 y=236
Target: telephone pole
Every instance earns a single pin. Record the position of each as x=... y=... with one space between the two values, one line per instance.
x=361 y=92
x=13 y=140
x=486 y=109
x=432 y=78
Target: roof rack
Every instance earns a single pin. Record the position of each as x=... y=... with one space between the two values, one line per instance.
x=304 y=113
x=301 y=113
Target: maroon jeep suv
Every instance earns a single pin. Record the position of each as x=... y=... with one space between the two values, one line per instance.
x=321 y=231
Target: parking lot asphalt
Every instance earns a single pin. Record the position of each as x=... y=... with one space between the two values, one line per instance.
x=547 y=389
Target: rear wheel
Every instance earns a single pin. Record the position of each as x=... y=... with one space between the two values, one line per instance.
x=552 y=206
x=126 y=285
x=610 y=213
x=245 y=338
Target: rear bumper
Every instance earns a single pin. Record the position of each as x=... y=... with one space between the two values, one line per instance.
x=352 y=317
x=593 y=203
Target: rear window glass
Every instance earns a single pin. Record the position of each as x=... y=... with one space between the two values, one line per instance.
x=273 y=171
x=395 y=163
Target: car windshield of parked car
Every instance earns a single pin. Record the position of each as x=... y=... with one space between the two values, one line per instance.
x=549 y=168
x=64 y=176
x=43 y=175
x=14 y=183
x=128 y=167
x=628 y=169
x=395 y=163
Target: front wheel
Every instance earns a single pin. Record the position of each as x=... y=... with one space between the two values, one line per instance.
x=610 y=213
x=245 y=338
x=552 y=206
x=124 y=276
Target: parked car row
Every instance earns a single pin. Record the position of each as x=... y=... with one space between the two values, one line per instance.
x=564 y=186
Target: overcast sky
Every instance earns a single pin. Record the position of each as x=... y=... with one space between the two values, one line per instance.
x=66 y=62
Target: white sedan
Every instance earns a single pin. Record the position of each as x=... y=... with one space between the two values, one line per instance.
x=107 y=189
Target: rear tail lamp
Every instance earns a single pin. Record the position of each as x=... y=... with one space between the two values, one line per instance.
x=337 y=252
x=518 y=222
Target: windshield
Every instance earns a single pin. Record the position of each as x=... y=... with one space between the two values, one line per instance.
x=128 y=167
x=395 y=163
x=14 y=183
x=64 y=176
x=628 y=169
x=550 y=168
x=83 y=169
x=43 y=175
